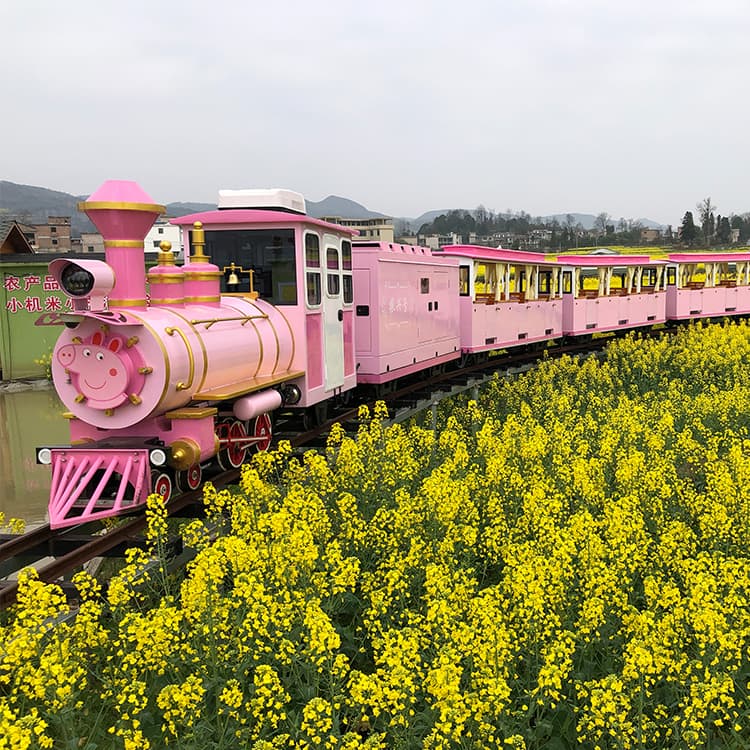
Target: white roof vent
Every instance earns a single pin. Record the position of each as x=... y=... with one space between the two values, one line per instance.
x=278 y=198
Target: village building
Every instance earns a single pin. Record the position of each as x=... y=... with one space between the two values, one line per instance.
x=13 y=240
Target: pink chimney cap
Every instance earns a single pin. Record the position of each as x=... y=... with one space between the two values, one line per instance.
x=121 y=194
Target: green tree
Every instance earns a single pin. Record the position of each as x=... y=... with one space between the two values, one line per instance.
x=741 y=222
x=688 y=231
x=723 y=230
x=707 y=212
x=601 y=222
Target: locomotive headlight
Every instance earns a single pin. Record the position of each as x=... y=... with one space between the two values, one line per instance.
x=158 y=457
x=88 y=282
x=44 y=456
x=77 y=281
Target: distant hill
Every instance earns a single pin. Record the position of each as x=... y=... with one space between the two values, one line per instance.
x=183 y=209
x=342 y=208
x=333 y=205
x=425 y=218
x=34 y=205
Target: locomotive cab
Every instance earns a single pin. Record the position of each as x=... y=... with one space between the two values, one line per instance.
x=268 y=248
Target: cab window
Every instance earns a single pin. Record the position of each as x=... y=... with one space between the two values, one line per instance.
x=333 y=278
x=312 y=270
x=346 y=278
x=264 y=257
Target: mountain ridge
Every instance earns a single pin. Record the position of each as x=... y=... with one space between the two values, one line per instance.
x=34 y=205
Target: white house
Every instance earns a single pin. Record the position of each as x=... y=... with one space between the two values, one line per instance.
x=161 y=231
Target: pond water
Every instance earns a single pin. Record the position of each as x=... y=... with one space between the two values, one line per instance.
x=28 y=418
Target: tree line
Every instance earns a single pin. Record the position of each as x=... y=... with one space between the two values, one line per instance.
x=711 y=229
x=565 y=234
x=482 y=221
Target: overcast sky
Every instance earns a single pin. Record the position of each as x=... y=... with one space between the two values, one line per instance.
x=639 y=108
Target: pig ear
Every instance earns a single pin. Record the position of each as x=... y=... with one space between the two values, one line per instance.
x=114 y=345
x=97 y=338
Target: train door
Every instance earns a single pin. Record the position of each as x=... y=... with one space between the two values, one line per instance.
x=333 y=315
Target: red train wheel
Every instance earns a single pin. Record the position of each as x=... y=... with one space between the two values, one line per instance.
x=233 y=440
x=263 y=432
x=189 y=479
x=161 y=484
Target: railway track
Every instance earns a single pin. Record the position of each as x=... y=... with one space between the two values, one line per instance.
x=60 y=552
x=40 y=543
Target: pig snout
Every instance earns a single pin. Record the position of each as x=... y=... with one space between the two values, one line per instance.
x=66 y=355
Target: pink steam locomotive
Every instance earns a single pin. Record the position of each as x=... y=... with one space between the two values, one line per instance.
x=167 y=371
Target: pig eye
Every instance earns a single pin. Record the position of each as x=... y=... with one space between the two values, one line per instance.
x=87 y=352
x=99 y=356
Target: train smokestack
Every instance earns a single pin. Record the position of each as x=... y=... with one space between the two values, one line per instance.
x=202 y=278
x=123 y=213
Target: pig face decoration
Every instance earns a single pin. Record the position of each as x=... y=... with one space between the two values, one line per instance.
x=103 y=371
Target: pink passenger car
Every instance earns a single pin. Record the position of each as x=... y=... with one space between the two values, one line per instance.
x=607 y=293
x=506 y=297
x=708 y=285
x=406 y=317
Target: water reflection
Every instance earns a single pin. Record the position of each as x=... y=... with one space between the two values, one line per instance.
x=28 y=419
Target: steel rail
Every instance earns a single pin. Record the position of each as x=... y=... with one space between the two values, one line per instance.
x=20 y=544
x=98 y=546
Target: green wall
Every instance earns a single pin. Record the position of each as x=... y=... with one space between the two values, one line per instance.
x=27 y=292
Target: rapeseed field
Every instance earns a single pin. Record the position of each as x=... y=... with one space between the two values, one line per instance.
x=561 y=563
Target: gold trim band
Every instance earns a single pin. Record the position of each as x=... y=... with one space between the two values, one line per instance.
x=242 y=309
x=123 y=243
x=192 y=412
x=244 y=318
x=167 y=300
x=204 y=375
x=247 y=386
x=292 y=337
x=126 y=302
x=202 y=275
x=165 y=278
x=120 y=206
x=242 y=295
x=202 y=299
x=191 y=360
x=166 y=371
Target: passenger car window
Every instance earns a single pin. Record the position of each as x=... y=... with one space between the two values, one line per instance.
x=463 y=281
